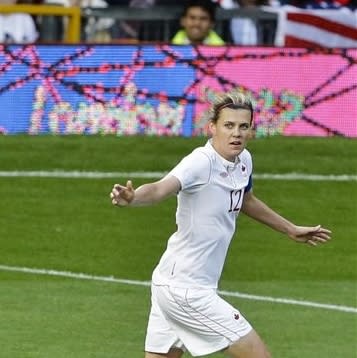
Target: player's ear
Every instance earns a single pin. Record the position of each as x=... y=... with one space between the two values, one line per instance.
x=212 y=127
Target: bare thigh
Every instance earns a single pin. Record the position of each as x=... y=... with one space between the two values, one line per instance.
x=173 y=353
x=249 y=346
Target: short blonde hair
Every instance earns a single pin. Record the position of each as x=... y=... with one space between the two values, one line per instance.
x=233 y=99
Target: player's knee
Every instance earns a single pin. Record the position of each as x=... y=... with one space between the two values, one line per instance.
x=250 y=346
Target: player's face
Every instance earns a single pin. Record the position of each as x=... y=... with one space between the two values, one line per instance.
x=197 y=24
x=231 y=132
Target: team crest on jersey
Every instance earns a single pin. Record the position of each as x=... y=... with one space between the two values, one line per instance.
x=236 y=316
x=223 y=174
x=244 y=170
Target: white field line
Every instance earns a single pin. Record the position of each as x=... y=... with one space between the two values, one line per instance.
x=83 y=276
x=155 y=175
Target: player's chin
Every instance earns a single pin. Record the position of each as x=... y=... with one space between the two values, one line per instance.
x=236 y=149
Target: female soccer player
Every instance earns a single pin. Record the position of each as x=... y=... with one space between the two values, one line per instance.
x=213 y=185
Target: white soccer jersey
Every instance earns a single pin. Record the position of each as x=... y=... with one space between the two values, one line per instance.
x=210 y=199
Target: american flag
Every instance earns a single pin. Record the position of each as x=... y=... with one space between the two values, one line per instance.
x=316 y=28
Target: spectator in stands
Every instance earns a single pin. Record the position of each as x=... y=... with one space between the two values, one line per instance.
x=197 y=24
x=17 y=27
x=244 y=29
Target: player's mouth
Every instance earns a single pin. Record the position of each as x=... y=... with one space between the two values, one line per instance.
x=236 y=143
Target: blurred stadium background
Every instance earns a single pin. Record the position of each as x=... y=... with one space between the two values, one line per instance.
x=77 y=118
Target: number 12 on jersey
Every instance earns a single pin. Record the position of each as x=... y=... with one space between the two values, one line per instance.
x=236 y=197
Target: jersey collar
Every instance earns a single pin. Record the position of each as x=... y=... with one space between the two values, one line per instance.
x=227 y=164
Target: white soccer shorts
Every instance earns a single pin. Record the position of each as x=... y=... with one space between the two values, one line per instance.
x=196 y=320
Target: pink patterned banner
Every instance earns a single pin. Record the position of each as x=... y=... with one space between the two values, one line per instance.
x=298 y=92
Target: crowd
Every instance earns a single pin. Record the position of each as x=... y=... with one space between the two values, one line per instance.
x=196 y=24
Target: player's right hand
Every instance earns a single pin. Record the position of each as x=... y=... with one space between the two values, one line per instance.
x=122 y=195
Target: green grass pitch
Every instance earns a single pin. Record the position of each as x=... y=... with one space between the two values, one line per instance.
x=69 y=224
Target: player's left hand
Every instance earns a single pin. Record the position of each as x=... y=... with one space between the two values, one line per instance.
x=310 y=235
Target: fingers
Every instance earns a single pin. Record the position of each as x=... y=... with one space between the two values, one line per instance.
x=119 y=187
x=322 y=235
x=324 y=231
x=317 y=239
x=122 y=195
x=112 y=196
x=319 y=229
x=129 y=185
x=311 y=242
x=317 y=235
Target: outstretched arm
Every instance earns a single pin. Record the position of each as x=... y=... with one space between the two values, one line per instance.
x=146 y=194
x=259 y=211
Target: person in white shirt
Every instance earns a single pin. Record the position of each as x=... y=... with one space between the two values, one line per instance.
x=213 y=185
x=17 y=28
